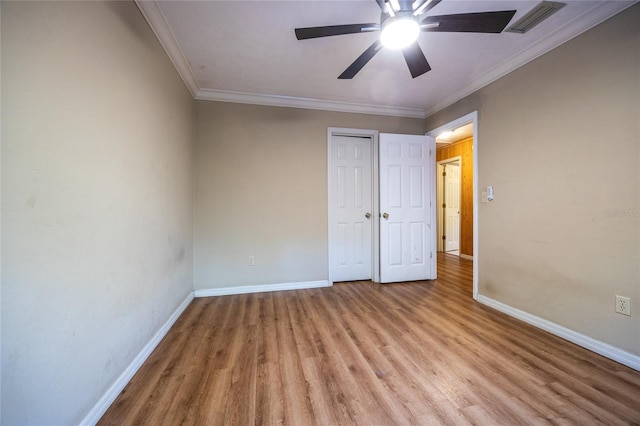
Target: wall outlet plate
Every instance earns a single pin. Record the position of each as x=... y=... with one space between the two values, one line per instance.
x=623 y=305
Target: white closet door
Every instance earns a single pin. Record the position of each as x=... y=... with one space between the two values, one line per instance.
x=351 y=204
x=406 y=227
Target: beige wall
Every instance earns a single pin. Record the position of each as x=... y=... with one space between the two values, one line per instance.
x=97 y=217
x=261 y=190
x=559 y=139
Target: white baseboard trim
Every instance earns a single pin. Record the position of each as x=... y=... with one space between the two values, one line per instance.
x=226 y=291
x=466 y=256
x=107 y=399
x=604 y=349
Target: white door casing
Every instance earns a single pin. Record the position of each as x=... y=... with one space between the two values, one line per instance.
x=407 y=192
x=350 y=208
x=472 y=117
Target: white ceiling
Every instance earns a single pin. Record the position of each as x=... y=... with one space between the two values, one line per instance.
x=246 y=51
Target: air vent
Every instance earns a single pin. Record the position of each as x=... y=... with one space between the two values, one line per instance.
x=535 y=16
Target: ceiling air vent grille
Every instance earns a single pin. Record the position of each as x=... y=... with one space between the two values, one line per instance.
x=535 y=16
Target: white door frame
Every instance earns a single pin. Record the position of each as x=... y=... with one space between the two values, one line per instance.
x=439 y=209
x=469 y=118
x=375 y=214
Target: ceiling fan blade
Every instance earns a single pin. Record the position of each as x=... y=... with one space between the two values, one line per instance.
x=482 y=22
x=333 y=30
x=416 y=61
x=362 y=60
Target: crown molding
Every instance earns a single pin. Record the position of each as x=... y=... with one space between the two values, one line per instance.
x=158 y=23
x=580 y=24
x=307 y=103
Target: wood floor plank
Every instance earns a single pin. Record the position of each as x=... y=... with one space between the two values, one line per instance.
x=297 y=407
x=364 y=353
x=218 y=383
x=243 y=381
x=350 y=376
x=327 y=403
x=395 y=378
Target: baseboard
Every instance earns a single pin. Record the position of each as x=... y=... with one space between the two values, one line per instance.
x=604 y=349
x=225 y=291
x=466 y=256
x=107 y=399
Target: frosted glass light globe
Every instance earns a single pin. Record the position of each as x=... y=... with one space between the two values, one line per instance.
x=399 y=33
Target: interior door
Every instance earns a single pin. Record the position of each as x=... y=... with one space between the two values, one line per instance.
x=351 y=207
x=452 y=206
x=407 y=189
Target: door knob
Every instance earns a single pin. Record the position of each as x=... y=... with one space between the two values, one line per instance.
x=368 y=215
x=386 y=215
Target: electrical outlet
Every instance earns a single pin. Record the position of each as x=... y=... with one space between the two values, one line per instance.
x=252 y=260
x=623 y=305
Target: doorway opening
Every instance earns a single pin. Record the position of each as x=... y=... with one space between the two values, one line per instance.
x=459 y=139
x=449 y=190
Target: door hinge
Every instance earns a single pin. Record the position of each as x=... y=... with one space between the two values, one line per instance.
x=431 y=256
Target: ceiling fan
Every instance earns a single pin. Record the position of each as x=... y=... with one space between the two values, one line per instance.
x=400 y=24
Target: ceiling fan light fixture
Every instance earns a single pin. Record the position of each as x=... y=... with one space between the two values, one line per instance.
x=400 y=25
x=399 y=32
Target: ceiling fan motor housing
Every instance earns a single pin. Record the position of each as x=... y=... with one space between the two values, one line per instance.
x=400 y=30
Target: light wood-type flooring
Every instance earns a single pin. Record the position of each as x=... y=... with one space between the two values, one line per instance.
x=369 y=354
